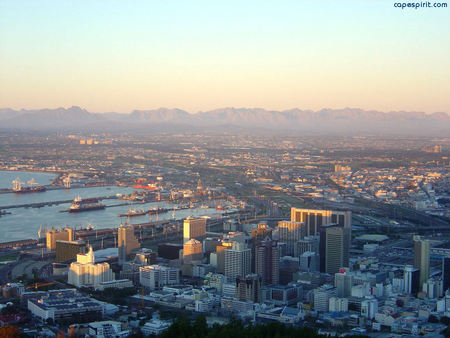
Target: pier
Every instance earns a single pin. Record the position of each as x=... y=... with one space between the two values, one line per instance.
x=44 y=204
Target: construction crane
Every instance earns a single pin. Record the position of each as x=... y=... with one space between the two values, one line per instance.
x=39 y=285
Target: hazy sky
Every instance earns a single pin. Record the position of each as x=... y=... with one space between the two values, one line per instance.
x=200 y=55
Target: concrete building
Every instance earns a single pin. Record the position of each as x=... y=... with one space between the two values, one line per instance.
x=248 y=288
x=267 y=261
x=85 y=272
x=343 y=281
x=238 y=261
x=445 y=273
x=290 y=233
x=334 y=248
x=194 y=228
x=54 y=235
x=322 y=296
x=127 y=242
x=422 y=258
x=68 y=250
x=107 y=328
x=309 y=262
x=411 y=277
x=338 y=304
x=315 y=219
x=192 y=251
x=307 y=244
x=156 y=276
x=66 y=306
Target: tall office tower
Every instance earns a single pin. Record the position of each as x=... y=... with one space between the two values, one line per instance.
x=248 y=288
x=307 y=244
x=127 y=242
x=220 y=254
x=334 y=248
x=290 y=233
x=422 y=258
x=314 y=219
x=267 y=261
x=68 y=250
x=192 y=251
x=54 y=235
x=194 y=228
x=343 y=281
x=238 y=261
x=411 y=277
x=446 y=273
x=322 y=296
x=261 y=233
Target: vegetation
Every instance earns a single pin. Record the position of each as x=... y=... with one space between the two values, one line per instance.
x=198 y=328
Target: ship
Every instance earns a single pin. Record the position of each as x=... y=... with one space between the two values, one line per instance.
x=33 y=186
x=133 y=212
x=155 y=211
x=86 y=204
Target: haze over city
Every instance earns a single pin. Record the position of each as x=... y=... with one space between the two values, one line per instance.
x=224 y=168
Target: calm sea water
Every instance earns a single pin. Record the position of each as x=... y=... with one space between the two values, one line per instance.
x=24 y=223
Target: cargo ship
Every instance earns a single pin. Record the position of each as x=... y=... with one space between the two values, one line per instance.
x=133 y=212
x=32 y=186
x=86 y=204
x=155 y=211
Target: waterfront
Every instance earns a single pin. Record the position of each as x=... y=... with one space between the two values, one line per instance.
x=6 y=177
x=24 y=223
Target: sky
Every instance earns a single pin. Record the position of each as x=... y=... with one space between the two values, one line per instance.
x=108 y=55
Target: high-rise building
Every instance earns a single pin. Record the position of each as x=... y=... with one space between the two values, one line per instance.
x=309 y=261
x=290 y=233
x=411 y=277
x=261 y=233
x=192 y=251
x=248 y=288
x=54 y=235
x=85 y=272
x=422 y=258
x=307 y=244
x=220 y=254
x=322 y=296
x=156 y=276
x=68 y=250
x=446 y=273
x=343 y=281
x=194 y=228
x=267 y=261
x=334 y=248
x=314 y=219
x=127 y=242
x=238 y=261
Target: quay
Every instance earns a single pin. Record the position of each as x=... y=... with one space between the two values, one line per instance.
x=43 y=204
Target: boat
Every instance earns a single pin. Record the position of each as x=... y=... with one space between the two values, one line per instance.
x=86 y=204
x=3 y=212
x=19 y=188
x=155 y=211
x=133 y=212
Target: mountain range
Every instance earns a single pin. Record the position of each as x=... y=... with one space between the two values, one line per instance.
x=325 y=121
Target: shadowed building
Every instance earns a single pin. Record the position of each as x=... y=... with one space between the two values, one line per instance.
x=68 y=250
x=267 y=261
x=334 y=248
